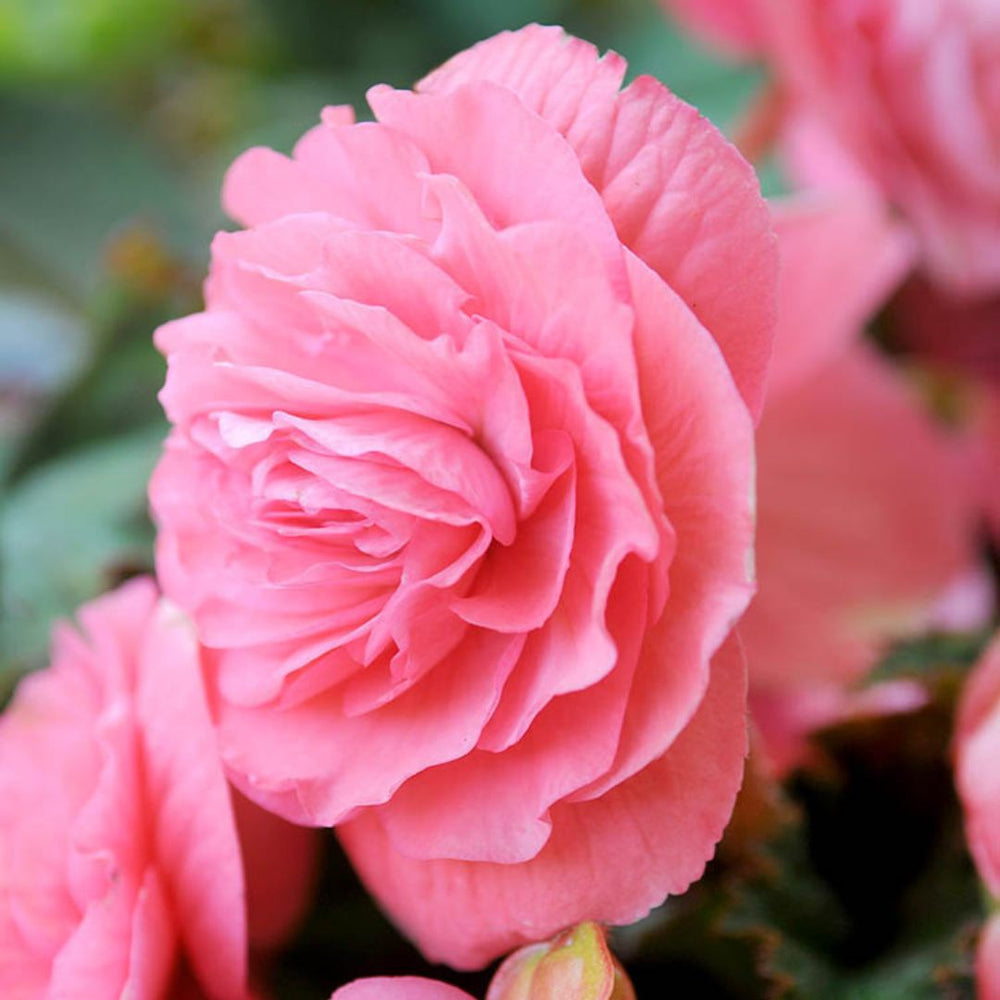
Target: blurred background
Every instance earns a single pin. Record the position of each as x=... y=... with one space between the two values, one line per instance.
x=117 y=121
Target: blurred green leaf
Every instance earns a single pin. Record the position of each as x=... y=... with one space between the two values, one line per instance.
x=63 y=38
x=70 y=530
x=70 y=175
x=944 y=655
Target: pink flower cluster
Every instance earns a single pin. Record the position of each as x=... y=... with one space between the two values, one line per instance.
x=457 y=515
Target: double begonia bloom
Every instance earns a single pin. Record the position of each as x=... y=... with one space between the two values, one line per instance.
x=867 y=509
x=910 y=89
x=977 y=746
x=120 y=865
x=459 y=491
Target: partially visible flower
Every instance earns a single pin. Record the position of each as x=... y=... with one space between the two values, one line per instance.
x=120 y=867
x=866 y=508
x=459 y=491
x=575 y=965
x=911 y=90
x=977 y=777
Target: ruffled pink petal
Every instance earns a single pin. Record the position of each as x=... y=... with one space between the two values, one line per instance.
x=702 y=437
x=365 y=174
x=678 y=193
x=517 y=167
x=610 y=859
x=495 y=806
x=312 y=764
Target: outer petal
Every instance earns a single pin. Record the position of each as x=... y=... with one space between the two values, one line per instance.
x=193 y=828
x=856 y=538
x=610 y=859
x=703 y=441
x=401 y=988
x=679 y=195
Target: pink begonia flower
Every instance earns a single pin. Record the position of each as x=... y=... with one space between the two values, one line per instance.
x=910 y=89
x=977 y=777
x=120 y=867
x=866 y=509
x=459 y=491
x=576 y=965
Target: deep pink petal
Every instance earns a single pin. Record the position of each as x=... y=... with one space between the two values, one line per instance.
x=678 y=193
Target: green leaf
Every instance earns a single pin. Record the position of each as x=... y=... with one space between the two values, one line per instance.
x=932 y=657
x=73 y=176
x=70 y=530
x=65 y=38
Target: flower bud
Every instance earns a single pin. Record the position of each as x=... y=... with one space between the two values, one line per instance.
x=574 y=965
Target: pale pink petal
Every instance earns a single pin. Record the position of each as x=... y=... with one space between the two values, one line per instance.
x=678 y=193
x=613 y=858
x=702 y=438
x=487 y=138
x=300 y=765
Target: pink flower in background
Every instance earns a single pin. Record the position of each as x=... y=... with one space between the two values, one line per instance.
x=977 y=750
x=910 y=89
x=120 y=867
x=858 y=541
x=459 y=487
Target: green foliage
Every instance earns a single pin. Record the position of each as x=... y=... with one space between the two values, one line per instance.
x=68 y=531
x=62 y=38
